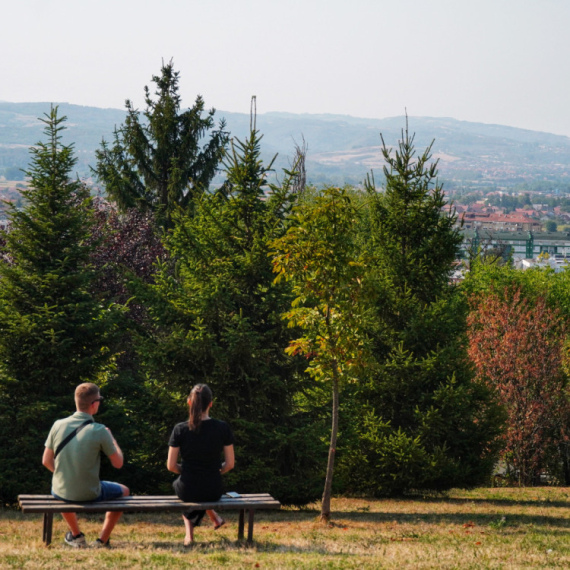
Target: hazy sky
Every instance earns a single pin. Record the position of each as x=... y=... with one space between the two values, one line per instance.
x=492 y=61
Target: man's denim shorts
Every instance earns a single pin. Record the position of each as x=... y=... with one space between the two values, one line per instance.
x=109 y=491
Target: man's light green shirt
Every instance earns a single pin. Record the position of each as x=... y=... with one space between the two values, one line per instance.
x=76 y=475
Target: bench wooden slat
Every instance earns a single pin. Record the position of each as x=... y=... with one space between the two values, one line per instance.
x=145 y=497
x=131 y=502
x=62 y=507
x=48 y=503
x=226 y=503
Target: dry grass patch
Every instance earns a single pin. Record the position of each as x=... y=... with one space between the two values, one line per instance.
x=485 y=528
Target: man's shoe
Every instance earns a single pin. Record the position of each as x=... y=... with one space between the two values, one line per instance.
x=100 y=544
x=75 y=541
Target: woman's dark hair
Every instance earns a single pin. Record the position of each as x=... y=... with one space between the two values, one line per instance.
x=200 y=398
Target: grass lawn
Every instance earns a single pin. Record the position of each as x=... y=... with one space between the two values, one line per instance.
x=484 y=528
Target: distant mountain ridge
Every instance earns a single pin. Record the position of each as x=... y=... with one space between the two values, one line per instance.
x=341 y=148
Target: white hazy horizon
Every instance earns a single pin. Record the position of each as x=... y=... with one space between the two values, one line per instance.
x=492 y=61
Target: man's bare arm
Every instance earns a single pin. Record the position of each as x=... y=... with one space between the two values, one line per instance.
x=116 y=459
x=48 y=459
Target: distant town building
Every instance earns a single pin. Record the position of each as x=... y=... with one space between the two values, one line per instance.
x=516 y=244
x=557 y=263
x=500 y=222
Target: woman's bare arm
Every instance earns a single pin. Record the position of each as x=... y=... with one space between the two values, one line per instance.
x=229 y=459
x=172 y=462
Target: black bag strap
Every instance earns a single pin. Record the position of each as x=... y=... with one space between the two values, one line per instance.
x=71 y=436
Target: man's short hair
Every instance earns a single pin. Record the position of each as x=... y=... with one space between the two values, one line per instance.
x=85 y=394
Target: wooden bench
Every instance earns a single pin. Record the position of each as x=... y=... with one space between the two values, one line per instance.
x=48 y=505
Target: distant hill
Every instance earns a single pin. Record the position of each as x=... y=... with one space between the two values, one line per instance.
x=341 y=148
x=20 y=128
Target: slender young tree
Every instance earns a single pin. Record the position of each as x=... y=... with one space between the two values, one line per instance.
x=156 y=162
x=318 y=255
x=54 y=333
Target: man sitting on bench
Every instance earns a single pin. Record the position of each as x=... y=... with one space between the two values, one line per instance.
x=73 y=454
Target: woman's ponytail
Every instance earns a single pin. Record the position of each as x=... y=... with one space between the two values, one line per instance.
x=200 y=399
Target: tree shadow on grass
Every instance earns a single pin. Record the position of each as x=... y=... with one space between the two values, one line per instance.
x=228 y=546
x=284 y=519
x=327 y=546
x=459 y=518
x=462 y=518
x=497 y=502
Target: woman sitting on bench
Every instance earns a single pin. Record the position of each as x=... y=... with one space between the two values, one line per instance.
x=200 y=442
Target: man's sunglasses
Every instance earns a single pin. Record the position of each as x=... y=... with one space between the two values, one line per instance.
x=99 y=399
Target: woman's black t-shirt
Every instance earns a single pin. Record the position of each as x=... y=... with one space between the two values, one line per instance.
x=201 y=451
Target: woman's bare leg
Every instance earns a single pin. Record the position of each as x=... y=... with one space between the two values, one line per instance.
x=189 y=538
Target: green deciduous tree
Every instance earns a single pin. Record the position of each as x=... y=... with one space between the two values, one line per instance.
x=157 y=162
x=318 y=254
x=54 y=333
x=551 y=226
x=424 y=422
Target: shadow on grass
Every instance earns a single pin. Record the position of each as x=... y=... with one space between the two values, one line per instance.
x=205 y=547
x=462 y=518
x=480 y=519
x=496 y=501
x=293 y=518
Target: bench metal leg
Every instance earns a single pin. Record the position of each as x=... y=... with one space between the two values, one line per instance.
x=241 y=524
x=48 y=527
x=250 y=526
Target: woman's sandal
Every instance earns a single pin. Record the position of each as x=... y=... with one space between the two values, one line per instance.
x=222 y=523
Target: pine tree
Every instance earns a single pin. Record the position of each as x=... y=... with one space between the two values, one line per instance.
x=156 y=162
x=54 y=334
x=217 y=319
x=424 y=421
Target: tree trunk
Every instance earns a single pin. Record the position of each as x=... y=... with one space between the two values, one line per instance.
x=326 y=506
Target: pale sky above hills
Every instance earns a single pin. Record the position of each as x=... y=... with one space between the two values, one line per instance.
x=491 y=61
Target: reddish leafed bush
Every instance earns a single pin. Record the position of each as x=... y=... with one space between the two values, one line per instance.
x=128 y=247
x=517 y=348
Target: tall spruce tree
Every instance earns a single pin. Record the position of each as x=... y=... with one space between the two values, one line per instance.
x=217 y=319
x=424 y=421
x=156 y=162
x=54 y=334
